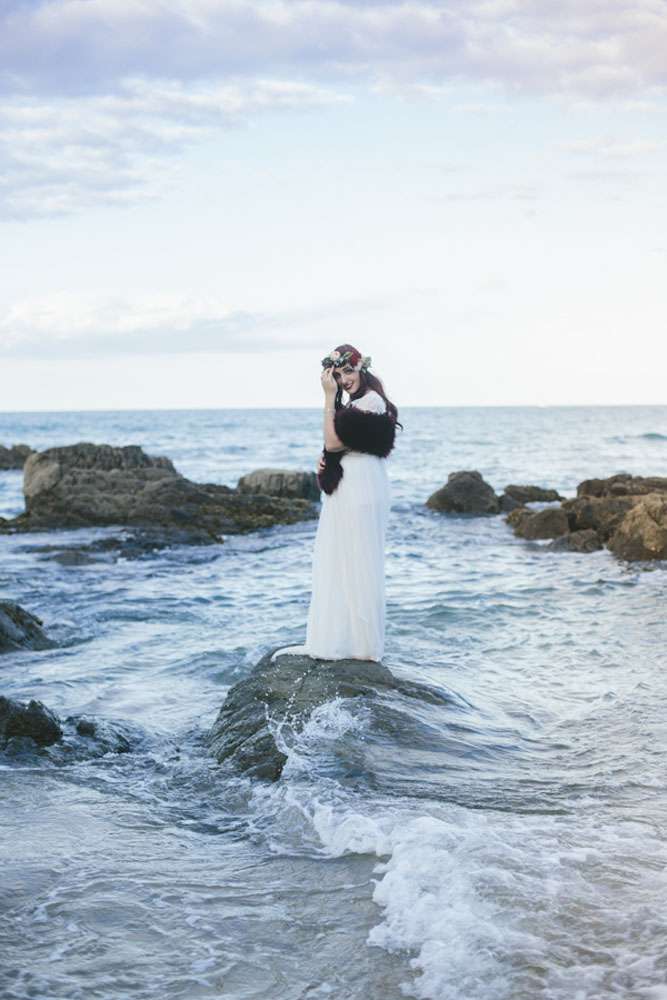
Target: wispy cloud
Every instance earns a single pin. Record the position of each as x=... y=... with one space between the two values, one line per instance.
x=64 y=153
x=77 y=325
x=100 y=95
x=608 y=148
x=599 y=47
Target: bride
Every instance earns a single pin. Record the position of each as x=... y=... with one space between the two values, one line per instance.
x=346 y=617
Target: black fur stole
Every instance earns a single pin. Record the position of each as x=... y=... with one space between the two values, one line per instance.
x=359 y=430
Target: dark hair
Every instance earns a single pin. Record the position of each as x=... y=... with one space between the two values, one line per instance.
x=366 y=381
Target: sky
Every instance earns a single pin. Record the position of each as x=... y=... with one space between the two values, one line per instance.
x=199 y=199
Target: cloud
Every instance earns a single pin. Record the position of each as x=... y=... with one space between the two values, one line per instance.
x=62 y=154
x=612 y=149
x=593 y=47
x=78 y=326
x=74 y=325
x=501 y=192
x=100 y=96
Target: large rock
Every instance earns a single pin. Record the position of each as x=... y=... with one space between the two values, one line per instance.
x=14 y=457
x=532 y=494
x=622 y=485
x=465 y=492
x=87 y=485
x=642 y=534
x=289 y=688
x=280 y=483
x=33 y=720
x=19 y=629
x=548 y=523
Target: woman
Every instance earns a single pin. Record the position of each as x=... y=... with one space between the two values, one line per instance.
x=346 y=617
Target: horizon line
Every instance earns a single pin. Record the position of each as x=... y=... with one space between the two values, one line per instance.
x=405 y=406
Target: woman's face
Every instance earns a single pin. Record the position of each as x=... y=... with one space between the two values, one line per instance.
x=348 y=378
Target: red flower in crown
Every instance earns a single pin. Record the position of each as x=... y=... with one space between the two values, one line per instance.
x=337 y=359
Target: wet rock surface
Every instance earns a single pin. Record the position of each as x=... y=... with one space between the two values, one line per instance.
x=133 y=544
x=28 y=728
x=20 y=629
x=32 y=720
x=287 y=690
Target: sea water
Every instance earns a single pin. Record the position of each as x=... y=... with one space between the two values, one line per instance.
x=509 y=845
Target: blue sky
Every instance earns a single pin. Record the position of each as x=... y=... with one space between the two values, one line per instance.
x=201 y=198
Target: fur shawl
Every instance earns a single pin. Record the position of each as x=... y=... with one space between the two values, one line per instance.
x=359 y=430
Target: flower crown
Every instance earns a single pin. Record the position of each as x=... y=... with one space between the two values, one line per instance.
x=337 y=359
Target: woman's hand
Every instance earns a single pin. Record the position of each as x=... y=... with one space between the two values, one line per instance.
x=329 y=383
x=321 y=464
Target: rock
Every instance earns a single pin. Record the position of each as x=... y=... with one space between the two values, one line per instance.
x=288 y=689
x=507 y=503
x=534 y=524
x=138 y=543
x=99 y=736
x=19 y=629
x=465 y=492
x=33 y=728
x=621 y=485
x=531 y=494
x=14 y=457
x=280 y=483
x=585 y=540
x=602 y=514
x=33 y=720
x=87 y=485
x=642 y=534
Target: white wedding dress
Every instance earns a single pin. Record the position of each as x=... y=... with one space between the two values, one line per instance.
x=346 y=617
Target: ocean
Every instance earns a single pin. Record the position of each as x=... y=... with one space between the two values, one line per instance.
x=510 y=845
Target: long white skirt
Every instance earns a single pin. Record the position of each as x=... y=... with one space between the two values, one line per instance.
x=346 y=617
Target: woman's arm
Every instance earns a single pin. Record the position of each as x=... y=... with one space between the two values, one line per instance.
x=331 y=440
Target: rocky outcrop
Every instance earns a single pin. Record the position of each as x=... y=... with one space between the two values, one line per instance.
x=14 y=457
x=287 y=690
x=534 y=524
x=88 y=485
x=19 y=629
x=532 y=494
x=280 y=483
x=33 y=720
x=465 y=492
x=642 y=534
x=627 y=514
x=603 y=514
x=622 y=485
